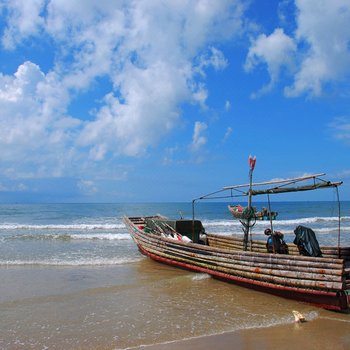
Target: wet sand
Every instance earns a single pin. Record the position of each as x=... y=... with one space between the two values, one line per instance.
x=127 y=305
x=324 y=333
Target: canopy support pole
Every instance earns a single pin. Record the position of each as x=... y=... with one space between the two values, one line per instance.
x=338 y=200
x=270 y=214
x=193 y=220
x=247 y=227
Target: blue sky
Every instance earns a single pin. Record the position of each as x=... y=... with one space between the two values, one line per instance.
x=150 y=100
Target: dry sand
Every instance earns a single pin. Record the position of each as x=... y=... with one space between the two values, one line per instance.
x=321 y=334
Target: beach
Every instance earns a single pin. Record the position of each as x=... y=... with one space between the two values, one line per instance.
x=105 y=308
x=328 y=333
x=72 y=278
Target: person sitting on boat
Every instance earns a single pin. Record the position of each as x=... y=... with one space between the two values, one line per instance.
x=264 y=212
x=275 y=242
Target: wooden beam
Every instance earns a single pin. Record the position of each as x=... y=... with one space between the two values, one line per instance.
x=272 y=182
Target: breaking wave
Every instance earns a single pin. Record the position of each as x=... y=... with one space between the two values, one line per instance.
x=299 y=221
x=77 y=262
x=321 y=225
x=68 y=236
x=97 y=226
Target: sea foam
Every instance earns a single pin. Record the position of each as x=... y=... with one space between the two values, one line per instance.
x=96 y=226
x=70 y=236
x=78 y=262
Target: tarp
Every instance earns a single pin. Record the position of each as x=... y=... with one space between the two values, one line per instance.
x=306 y=241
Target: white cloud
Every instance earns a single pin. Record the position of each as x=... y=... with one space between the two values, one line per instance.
x=87 y=187
x=228 y=133
x=276 y=51
x=151 y=52
x=173 y=155
x=21 y=121
x=148 y=112
x=227 y=105
x=324 y=26
x=199 y=139
x=34 y=129
x=24 y=21
x=318 y=52
x=213 y=58
x=340 y=128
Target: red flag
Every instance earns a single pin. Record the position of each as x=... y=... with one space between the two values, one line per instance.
x=252 y=162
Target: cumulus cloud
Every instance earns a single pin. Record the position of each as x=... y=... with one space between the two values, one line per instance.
x=24 y=20
x=324 y=26
x=318 y=51
x=276 y=51
x=199 y=139
x=33 y=129
x=154 y=54
x=213 y=58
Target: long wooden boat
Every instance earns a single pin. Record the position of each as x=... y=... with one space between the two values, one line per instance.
x=320 y=280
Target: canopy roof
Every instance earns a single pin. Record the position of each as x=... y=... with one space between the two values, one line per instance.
x=315 y=186
x=305 y=183
x=298 y=184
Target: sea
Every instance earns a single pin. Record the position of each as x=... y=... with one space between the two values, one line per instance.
x=71 y=277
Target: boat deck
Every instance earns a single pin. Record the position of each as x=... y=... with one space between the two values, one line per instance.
x=259 y=246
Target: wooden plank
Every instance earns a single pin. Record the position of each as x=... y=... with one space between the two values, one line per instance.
x=297 y=260
x=255 y=276
x=260 y=246
x=262 y=249
x=269 y=269
x=237 y=261
x=249 y=256
x=273 y=259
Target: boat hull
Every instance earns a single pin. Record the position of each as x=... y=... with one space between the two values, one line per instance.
x=327 y=300
x=261 y=272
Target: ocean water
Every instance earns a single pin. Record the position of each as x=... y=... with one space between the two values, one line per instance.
x=71 y=277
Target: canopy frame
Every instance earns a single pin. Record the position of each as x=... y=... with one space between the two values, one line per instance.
x=245 y=190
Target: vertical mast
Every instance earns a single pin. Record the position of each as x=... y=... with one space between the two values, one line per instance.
x=252 y=166
x=247 y=226
x=339 y=218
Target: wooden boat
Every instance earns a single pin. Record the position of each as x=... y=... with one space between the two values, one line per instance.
x=320 y=280
x=238 y=212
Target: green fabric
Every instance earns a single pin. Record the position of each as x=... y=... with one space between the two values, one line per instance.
x=248 y=214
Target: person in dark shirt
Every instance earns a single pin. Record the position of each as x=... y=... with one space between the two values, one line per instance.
x=275 y=243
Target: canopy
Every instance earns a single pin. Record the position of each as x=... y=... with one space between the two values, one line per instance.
x=305 y=183
x=317 y=184
x=274 y=187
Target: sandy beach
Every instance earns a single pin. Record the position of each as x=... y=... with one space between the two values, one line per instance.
x=72 y=278
x=324 y=333
x=155 y=305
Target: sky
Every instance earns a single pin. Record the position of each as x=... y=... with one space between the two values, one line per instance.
x=164 y=100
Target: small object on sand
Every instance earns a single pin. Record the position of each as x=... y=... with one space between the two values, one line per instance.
x=298 y=316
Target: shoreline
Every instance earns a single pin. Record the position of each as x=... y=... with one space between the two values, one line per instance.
x=322 y=333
